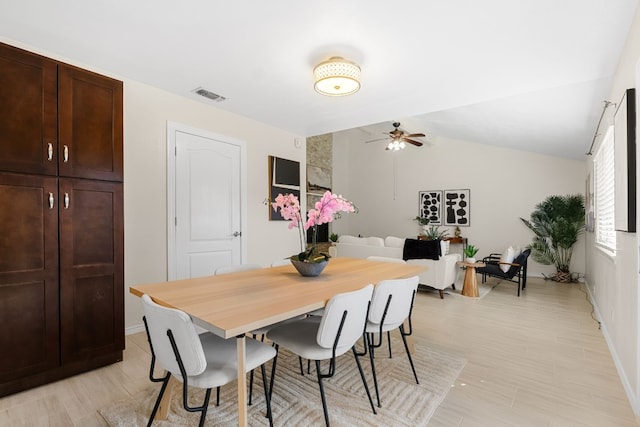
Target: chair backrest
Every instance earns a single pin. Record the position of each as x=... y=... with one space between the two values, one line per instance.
x=162 y=319
x=356 y=305
x=401 y=292
x=386 y=259
x=236 y=268
x=281 y=262
x=521 y=261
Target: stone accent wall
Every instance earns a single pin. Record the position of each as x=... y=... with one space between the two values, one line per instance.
x=319 y=154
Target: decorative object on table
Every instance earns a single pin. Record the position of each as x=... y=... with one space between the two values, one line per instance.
x=457 y=207
x=325 y=211
x=557 y=222
x=470 y=252
x=424 y=223
x=456 y=232
x=433 y=232
x=284 y=176
x=430 y=206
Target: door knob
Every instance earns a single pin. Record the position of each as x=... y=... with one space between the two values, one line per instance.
x=237 y=233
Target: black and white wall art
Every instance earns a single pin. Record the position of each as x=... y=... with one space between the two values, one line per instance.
x=430 y=206
x=457 y=208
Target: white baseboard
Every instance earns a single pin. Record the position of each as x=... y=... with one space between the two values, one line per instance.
x=626 y=384
x=134 y=329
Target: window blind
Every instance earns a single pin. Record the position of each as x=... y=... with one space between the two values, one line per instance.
x=603 y=163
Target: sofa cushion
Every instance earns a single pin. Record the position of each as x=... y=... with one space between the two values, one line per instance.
x=421 y=249
x=367 y=241
x=375 y=241
x=394 y=242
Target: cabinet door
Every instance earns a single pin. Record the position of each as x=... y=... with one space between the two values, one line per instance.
x=29 y=336
x=90 y=121
x=91 y=269
x=28 y=112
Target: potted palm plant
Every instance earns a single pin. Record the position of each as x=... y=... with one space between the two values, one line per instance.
x=557 y=222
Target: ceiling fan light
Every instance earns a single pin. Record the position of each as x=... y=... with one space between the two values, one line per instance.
x=402 y=145
x=336 y=77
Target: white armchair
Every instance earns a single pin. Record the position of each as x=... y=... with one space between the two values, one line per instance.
x=439 y=274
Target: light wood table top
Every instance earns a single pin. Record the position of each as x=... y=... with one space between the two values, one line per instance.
x=233 y=304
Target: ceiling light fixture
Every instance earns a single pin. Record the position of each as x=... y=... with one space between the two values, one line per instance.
x=396 y=145
x=336 y=77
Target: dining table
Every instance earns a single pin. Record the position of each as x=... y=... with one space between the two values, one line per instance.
x=232 y=305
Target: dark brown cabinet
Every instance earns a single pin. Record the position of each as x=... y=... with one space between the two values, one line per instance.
x=61 y=222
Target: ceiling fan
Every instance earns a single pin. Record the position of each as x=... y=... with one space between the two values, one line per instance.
x=399 y=138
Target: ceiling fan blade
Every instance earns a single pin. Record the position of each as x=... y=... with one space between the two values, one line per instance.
x=415 y=135
x=411 y=141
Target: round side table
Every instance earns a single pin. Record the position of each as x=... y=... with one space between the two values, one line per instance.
x=470 y=286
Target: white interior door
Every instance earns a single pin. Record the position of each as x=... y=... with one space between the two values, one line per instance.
x=207 y=215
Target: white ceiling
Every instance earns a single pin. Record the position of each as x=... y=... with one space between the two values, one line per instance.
x=529 y=74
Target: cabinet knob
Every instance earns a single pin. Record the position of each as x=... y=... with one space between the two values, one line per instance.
x=66 y=200
x=49 y=151
x=65 y=154
x=51 y=201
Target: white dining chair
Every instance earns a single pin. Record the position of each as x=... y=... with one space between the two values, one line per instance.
x=204 y=361
x=391 y=306
x=225 y=269
x=281 y=262
x=327 y=337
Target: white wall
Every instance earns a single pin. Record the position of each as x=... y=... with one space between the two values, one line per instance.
x=505 y=185
x=613 y=281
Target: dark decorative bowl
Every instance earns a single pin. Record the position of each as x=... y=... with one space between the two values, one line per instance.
x=309 y=269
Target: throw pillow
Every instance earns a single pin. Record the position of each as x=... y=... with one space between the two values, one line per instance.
x=394 y=242
x=444 y=247
x=507 y=256
x=421 y=249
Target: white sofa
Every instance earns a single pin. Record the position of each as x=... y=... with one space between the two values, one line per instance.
x=439 y=274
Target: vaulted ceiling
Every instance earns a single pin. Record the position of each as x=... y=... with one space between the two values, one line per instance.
x=528 y=74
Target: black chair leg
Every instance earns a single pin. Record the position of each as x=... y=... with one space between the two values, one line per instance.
x=205 y=405
x=301 y=368
x=217 y=396
x=373 y=369
x=250 y=387
x=324 y=401
x=267 y=394
x=364 y=380
x=157 y=404
x=389 y=342
x=273 y=371
x=406 y=347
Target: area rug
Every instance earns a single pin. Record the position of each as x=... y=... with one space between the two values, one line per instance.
x=483 y=290
x=296 y=398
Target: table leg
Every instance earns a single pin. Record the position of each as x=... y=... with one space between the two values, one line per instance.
x=242 y=381
x=165 y=403
x=470 y=287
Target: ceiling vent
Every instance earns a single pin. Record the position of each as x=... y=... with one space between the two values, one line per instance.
x=207 y=94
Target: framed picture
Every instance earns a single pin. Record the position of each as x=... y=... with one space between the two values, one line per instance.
x=625 y=162
x=430 y=206
x=284 y=177
x=457 y=204
x=318 y=179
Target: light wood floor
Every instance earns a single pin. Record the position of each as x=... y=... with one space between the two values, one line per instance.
x=537 y=360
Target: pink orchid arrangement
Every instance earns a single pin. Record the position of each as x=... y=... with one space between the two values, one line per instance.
x=324 y=211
